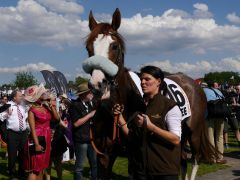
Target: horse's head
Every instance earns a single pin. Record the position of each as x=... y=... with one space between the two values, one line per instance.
x=105 y=50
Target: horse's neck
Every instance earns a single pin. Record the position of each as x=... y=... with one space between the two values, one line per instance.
x=126 y=84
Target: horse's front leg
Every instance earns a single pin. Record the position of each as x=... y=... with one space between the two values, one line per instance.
x=195 y=166
x=106 y=161
x=184 y=169
x=105 y=164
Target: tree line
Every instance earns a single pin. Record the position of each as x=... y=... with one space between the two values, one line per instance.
x=26 y=79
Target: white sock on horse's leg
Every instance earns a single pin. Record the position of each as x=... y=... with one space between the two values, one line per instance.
x=195 y=167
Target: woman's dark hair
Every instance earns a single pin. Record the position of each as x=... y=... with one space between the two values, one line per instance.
x=156 y=73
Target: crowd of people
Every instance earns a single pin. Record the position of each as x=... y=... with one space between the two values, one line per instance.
x=38 y=127
x=218 y=127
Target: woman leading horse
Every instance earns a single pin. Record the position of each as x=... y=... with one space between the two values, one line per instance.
x=154 y=137
x=114 y=84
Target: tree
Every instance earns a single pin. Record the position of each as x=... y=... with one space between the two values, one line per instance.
x=78 y=80
x=222 y=77
x=24 y=80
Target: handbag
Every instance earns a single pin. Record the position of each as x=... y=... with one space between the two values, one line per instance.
x=42 y=142
x=218 y=108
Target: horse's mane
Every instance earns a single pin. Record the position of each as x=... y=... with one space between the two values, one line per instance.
x=106 y=29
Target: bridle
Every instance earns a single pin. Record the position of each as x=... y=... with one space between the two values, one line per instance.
x=111 y=83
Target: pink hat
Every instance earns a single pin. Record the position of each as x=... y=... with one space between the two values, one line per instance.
x=33 y=93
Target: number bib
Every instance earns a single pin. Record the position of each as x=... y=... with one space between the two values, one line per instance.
x=177 y=94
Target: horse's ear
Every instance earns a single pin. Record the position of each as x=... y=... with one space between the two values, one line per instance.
x=92 y=22
x=116 y=19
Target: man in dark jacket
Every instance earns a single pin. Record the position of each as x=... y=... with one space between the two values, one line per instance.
x=81 y=111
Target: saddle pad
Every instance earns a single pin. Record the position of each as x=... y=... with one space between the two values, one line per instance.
x=176 y=93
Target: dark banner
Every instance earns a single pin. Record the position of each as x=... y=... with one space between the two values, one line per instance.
x=61 y=80
x=51 y=81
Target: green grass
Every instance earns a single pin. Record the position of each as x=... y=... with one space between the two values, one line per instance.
x=121 y=165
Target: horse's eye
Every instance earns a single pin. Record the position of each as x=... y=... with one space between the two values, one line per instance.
x=114 y=46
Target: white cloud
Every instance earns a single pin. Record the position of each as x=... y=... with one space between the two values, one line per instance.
x=31 y=22
x=170 y=33
x=43 y=22
x=201 y=7
x=62 y=6
x=199 y=68
x=232 y=17
x=201 y=11
x=28 y=67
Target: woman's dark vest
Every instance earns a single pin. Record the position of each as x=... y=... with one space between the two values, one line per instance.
x=160 y=156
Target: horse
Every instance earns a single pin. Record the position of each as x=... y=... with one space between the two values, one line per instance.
x=113 y=83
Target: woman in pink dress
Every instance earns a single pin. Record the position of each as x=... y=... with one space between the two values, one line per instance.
x=39 y=116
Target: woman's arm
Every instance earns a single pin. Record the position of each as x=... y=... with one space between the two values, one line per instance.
x=117 y=111
x=54 y=113
x=167 y=135
x=31 y=121
x=123 y=125
x=173 y=121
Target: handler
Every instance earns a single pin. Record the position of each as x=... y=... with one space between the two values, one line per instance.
x=154 y=137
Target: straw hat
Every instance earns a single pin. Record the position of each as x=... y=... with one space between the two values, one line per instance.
x=33 y=93
x=82 y=88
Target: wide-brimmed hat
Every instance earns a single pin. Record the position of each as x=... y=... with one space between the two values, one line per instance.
x=33 y=93
x=82 y=88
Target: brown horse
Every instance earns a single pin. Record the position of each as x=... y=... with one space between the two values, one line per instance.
x=113 y=83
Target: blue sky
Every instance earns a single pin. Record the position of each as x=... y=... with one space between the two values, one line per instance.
x=194 y=37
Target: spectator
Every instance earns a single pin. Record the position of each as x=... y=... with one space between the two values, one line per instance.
x=68 y=131
x=16 y=134
x=81 y=111
x=3 y=117
x=236 y=107
x=4 y=100
x=215 y=125
x=37 y=159
x=3 y=129
x=58 y=146
x=154 y=146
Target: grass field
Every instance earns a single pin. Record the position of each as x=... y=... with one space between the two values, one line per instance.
x=121 y=165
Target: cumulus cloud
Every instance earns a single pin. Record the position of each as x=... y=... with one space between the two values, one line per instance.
x=201 y=7
x=32 y=22
x=170 y=33
x=28 y=67
x=234 y=18
x=201 y=11
x=199 y=68
x=44 y=22
x=62 y=6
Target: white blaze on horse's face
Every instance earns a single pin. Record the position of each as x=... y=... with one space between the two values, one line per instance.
x=101 y=45
x=101 y=48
